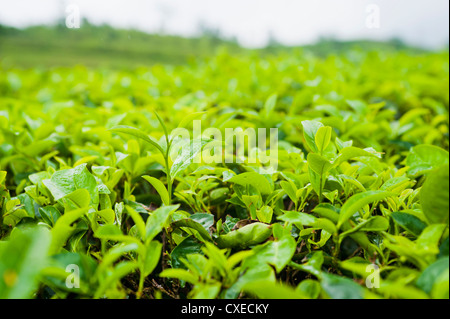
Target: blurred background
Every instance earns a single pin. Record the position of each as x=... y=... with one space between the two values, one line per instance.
x=129 y=33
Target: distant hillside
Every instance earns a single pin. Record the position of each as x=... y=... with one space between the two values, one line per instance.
x=326 y=47
x=104 y=46
x=100 y=46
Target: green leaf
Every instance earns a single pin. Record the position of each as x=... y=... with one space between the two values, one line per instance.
x=120 y=270
x=424 y=158
x=21 y=261
x=271 y=290
x=138 y=221
x=192 y=224
x=80 y=198
x=160 y=188
x=187 y=156
x=337 y=287
x=163 y=125
x=310 y=288
x=358 y=201
x=107 y=216
x=323 y=138
x=2 y=176
x=189 y=118
x=206 y=291
x=318 y=164
x=349 y=153
x=158 y=220
x=303 y=219
x=359 y=106
x=84 y=160
x=204 y=219
x=260 y=273
x=430 y=275
x=14 y=213
x=326 y=225
x=298 y=218
x=373 y=224
x=49 y=214
x=291 y=190
x=313 y=266
x=252 y=203
x=108 y=232
x=270 y=104
x=132 y=245
x=396 y=184
x=63 y=229
x=277 y=253
x=188 y=246
x=246 y=236
x=87 y=267
x=152 y=256
x=327 y=211
x=441 y=287
x=434 y=196
x=399 y=290
x=409 y=222
x=238 y=257
x=139 y=134
x=180 y=274
x=358 y=266
x=444 y=248
x=254 y=179
x=317 y=181
x=428 y=241
x=402 y=246
x=310 y=129
x=265 y=214
x=38 y=147
x=65 y=182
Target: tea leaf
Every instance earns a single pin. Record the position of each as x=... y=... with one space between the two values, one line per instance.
x=160 y=188
x=356 y=202
x=434 y=196
x=424 y=158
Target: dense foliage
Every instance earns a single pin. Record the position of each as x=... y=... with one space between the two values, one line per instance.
x=87 y=183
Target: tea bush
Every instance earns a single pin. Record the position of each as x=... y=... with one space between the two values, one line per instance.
x=95 y=201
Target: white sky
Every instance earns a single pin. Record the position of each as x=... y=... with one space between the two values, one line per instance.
x=419 y=22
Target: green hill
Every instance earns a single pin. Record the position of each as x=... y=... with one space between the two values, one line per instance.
x=104 y=46
x=100 y=46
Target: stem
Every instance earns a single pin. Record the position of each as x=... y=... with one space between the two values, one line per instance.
x=320 y=189
x=141 y=285
x=337 y=247
x=321 y=180
x=169 y=187
x=205 y=207
x=169 y=177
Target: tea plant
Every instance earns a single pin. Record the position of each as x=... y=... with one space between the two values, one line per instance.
x=98 y=201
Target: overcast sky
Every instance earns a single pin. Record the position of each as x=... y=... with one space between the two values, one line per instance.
x=292 y=22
